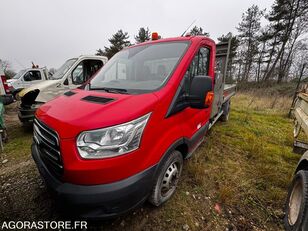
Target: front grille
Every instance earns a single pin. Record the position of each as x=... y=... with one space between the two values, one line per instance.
x=48 y=144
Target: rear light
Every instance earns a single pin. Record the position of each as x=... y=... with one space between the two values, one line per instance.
x=5 y=85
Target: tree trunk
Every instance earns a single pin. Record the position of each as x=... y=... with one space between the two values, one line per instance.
x=288 y=32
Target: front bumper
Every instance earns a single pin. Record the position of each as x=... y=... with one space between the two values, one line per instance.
x=99 y=201
x=26 y=115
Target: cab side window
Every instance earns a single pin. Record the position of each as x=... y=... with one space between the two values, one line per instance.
x=32 y=76
x=85 y=70
x=198 y=66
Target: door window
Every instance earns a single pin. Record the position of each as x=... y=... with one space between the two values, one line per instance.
x=198 y=66
x=32 y=76
x=85 y=70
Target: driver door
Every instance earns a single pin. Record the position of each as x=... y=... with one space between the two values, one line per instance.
x=195 y=119
x=31 y=77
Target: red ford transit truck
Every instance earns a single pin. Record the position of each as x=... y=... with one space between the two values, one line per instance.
x=121 y=138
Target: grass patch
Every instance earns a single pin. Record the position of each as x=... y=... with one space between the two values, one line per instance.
x=248 y=162
x=19 y=138
x=243 y=169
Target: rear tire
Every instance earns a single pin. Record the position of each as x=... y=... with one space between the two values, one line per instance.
x=167 y=178
x=296 y=210
x=226 y=109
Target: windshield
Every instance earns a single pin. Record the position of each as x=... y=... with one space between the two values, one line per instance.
x=63 y=69
x=139 y=69
x=19 y=74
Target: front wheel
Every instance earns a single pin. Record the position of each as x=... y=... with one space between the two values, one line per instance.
x=167 y=179
x=296 y=212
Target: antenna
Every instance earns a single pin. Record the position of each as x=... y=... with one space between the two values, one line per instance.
x=188 y=27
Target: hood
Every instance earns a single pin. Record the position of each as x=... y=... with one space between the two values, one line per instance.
x=79 y=110
x=40 y=86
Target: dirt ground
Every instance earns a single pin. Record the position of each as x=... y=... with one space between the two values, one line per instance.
x=236 y=180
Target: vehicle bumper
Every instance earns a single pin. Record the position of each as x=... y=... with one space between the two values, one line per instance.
x=99 y=201
x=26 y=115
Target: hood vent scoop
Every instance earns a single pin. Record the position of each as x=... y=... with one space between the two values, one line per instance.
x=69 y=93
x=97 y=99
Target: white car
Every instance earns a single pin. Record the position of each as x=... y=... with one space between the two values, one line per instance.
x=72 y=74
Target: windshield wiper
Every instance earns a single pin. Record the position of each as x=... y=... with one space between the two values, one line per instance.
x=109 y=90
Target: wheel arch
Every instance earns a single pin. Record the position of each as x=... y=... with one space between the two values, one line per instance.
x=179 y=145
x=302 y=165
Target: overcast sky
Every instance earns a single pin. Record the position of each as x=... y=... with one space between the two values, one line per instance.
x=50 y=31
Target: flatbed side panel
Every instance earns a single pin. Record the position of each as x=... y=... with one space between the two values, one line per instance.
x=303 y=96
x=302 y=118
x=229 y=91
x=222 y=55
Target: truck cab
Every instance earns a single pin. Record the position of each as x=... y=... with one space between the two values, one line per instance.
x=72 y=74
x=121 y=138
x=26 y=78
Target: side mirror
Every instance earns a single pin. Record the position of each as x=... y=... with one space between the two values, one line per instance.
x=201 y=95
x=65 y=81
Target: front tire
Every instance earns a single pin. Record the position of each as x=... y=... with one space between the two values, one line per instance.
x=167 y=179
x=296 y=211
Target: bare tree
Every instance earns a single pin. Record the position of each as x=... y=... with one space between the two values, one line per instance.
x=285 y=19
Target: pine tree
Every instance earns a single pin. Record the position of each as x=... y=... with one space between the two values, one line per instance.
x=198 y=31
x=118 y=41
x=143 y=35
x=99 y=52
x=248 y=34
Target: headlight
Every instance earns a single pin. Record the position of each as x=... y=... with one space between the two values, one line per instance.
x=112 y=141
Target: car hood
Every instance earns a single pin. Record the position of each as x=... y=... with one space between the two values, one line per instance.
x=40 y=86
x=71 y=113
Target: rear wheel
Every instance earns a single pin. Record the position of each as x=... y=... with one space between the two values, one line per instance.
x=226 y=109
x=167 y=179
x=296 y=211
